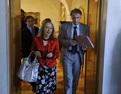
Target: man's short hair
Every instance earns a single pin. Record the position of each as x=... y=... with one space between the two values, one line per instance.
x=76 y=10
x=28 y=17
x=22 y=10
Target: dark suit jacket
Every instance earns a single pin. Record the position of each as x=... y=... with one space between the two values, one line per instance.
x=27 y=39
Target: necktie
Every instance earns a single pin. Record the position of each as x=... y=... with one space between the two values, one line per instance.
x=75 y=32
x=32 y=31
x=74 y=48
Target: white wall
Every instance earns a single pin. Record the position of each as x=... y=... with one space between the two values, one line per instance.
x=112 y=58
x=51 y=8
x=4 y=85
x=47 y=9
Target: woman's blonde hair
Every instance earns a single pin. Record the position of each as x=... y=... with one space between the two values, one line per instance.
x=41 y=31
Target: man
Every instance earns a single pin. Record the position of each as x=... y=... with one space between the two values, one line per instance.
x=23 y=24
x=71 y=54
x=27 y=36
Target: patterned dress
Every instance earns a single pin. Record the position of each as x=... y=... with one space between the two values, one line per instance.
x=46 y=82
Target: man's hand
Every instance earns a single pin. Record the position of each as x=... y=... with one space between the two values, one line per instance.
x=84 y=47
x=72 y=42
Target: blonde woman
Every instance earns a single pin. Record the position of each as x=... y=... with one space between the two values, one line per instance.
x=46 y=48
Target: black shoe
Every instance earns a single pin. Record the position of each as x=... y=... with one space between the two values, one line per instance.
x=34 y=89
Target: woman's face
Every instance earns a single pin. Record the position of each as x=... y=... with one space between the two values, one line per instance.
x=48 y=29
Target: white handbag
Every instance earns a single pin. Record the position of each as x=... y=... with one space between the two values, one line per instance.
x=28 y=71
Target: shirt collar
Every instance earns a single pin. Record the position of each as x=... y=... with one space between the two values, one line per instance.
x=75 y=25
x=30 y=27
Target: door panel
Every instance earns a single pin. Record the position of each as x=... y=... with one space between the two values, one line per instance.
x=91 y=58
x=15 y=45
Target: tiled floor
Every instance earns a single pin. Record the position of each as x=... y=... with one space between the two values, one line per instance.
x=26 y=88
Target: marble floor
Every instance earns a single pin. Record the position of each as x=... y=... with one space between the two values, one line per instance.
x=27 y=89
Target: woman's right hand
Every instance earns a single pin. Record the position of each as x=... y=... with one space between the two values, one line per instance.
x=37 y=53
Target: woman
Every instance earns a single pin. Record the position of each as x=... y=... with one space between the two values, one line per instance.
x=46 y=48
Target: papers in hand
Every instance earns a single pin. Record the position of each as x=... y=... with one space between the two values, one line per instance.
x=84 y=40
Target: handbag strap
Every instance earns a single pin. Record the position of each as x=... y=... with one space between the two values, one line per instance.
x=30 y=54
x=35 y=59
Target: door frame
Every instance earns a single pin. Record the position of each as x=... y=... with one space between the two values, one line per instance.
x=101 y=45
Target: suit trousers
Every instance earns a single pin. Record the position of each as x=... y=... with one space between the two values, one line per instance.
x=71 y=71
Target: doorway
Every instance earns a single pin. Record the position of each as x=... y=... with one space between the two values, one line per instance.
x=88 y=73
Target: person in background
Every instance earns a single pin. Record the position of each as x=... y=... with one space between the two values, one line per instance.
x=71 y=54
x=27 y=36
x=46 y=19
x=46 y=48
x=23 y=24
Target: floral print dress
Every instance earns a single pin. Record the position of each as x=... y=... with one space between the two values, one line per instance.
x=46 y=82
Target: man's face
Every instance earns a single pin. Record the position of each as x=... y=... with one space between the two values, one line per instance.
x=75 y=18
x=30 y=22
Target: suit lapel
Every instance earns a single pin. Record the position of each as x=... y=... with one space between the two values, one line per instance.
x=69 y=30
x=28 y=32
x=81 y=32
x=36 y=30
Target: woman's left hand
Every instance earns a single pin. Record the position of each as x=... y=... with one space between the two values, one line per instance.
x=49 y=55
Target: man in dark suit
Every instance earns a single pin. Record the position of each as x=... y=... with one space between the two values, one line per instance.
x=27 y=36
x=71 y=54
